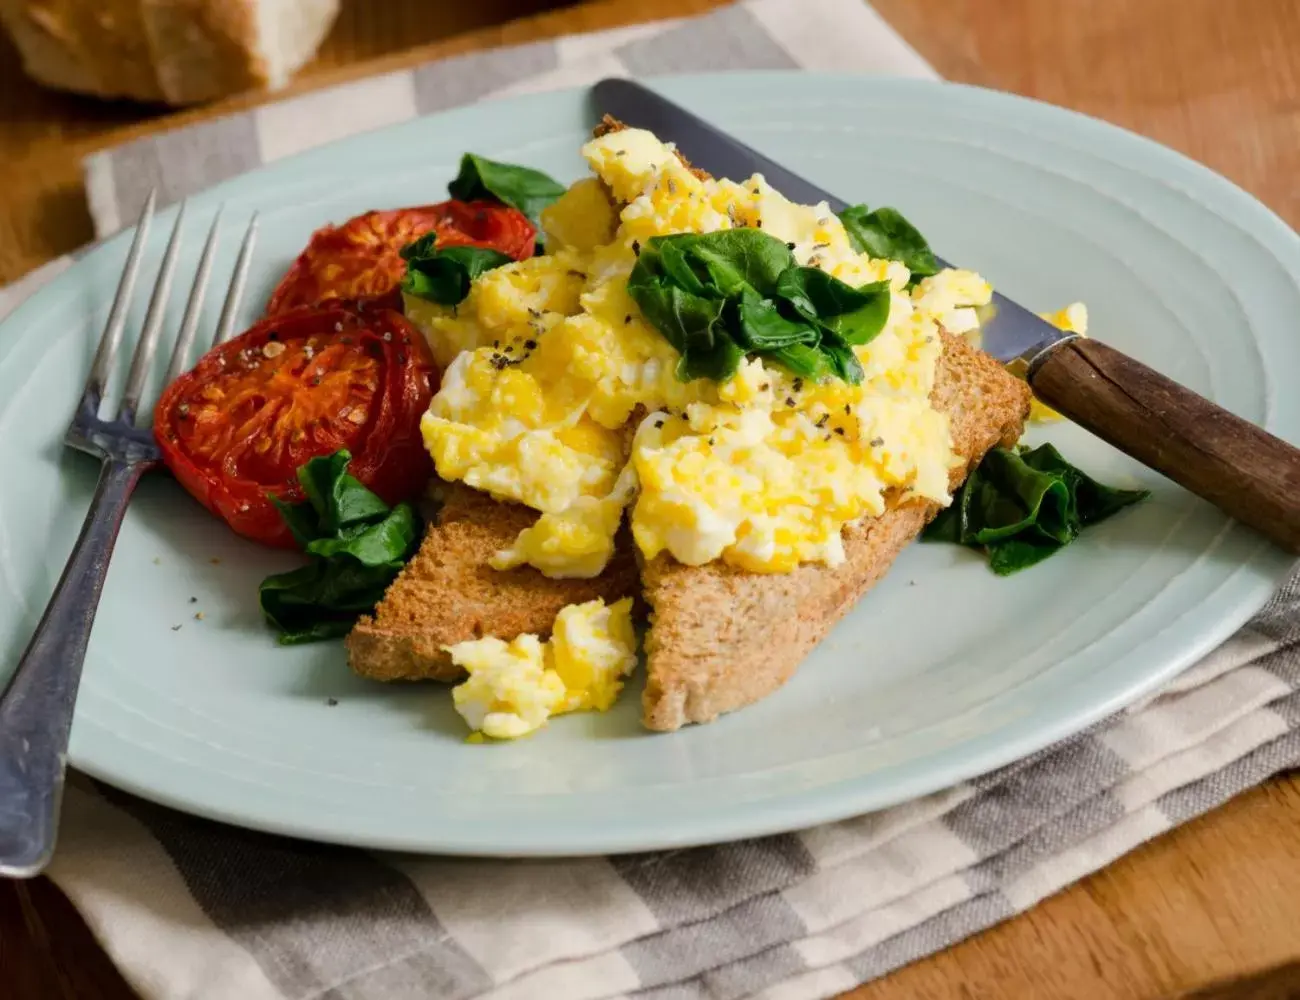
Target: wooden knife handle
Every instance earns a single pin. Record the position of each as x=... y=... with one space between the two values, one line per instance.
x=1240 y=468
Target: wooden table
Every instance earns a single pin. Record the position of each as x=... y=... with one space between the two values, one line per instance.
x=1209 y=903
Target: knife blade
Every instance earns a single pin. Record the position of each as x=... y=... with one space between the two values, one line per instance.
x=1248 y=473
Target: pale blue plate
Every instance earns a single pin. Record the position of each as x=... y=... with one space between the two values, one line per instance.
x=942 y=673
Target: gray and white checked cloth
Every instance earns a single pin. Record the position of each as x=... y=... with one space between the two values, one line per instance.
x=190 y=908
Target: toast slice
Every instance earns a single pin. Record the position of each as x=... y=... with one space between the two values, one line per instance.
x=448 y=593
x=722 y=638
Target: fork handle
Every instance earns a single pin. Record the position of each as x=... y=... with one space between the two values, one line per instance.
x=36 y=708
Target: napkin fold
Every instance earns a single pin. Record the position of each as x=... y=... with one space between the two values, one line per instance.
x=191 y=908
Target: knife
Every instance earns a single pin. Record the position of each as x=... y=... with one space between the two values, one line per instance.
x=1242 y=469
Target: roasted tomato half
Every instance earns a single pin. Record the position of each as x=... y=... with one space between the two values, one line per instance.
x=361 y=259
x=235 y=429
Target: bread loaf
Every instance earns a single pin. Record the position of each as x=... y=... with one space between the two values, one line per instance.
x=174 y=51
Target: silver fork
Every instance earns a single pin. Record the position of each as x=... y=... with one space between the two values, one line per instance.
x=36 y=708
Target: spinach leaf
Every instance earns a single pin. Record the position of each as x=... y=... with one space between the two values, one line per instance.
x=444 y=275
x=761 y=327
x=735 y=259
x=886 y=235
x=355 y=544
x=804 y=361
x=844 y=364
x=717 y=297
x=1022 y=506
x=856 y=314
x=523 y=188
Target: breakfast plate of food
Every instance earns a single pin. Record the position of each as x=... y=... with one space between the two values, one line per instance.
x=561 y=496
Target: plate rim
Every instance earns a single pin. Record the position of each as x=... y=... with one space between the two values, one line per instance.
x=794 y=810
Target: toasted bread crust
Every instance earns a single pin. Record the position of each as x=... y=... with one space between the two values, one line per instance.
x=448 y=593
x=722 y=638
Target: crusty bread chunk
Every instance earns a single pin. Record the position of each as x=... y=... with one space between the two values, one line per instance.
x=722 y=638
x=166 y=50
x=448 y=593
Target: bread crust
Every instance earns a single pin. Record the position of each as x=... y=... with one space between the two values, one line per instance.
x=722 y=638
x=448 y=593
x=175 y=51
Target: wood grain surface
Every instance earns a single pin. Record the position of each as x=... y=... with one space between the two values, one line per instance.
x=1231 y=462
x=1211 y=910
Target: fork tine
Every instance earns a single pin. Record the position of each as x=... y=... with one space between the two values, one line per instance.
x=190 y=324
x=109 y=340
x=226 y=325
x=142 y=361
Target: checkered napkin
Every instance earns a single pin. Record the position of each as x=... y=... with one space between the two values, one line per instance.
x=189 y=908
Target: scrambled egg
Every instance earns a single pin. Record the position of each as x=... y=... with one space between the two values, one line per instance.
x=1071 y=319
x=514 y=687
x=559 y=395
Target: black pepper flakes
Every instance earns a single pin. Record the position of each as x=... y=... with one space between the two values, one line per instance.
x=821 y=421
x=876 y=442
x=627 y=319
x=659 y=422
x=847 y=409
x=331 y=702
x=711 y=442
x=839 y=431
x=798 y=385
x=789 y=246
x=636 y=247
x=789 y=401
x=530 y=345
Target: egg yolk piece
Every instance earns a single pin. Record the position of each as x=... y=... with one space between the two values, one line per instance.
x=508 y=306
x=762 y=471
x=515 y=687
x=511 y=691
x=1072 y=319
